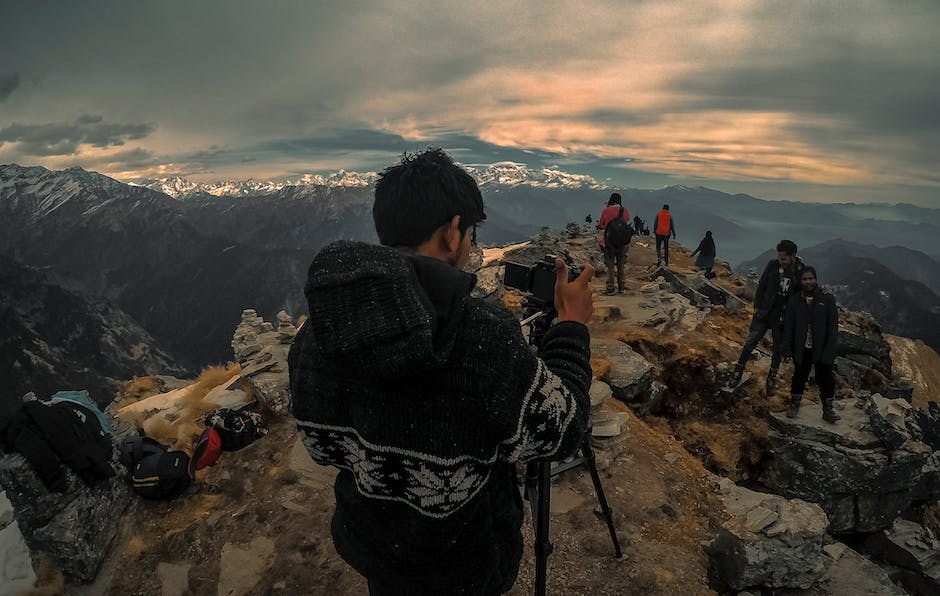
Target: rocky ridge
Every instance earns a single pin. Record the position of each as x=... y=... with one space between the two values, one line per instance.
x=664 y=425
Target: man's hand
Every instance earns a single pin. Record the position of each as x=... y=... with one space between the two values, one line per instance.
x=574 y=301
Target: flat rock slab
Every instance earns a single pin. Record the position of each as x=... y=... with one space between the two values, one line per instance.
x=854 y=430
x=311 y=473
x=242 y=567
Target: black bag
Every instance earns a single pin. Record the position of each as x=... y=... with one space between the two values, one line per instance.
x=154 y=471
x=236 y=428
x=618 y=233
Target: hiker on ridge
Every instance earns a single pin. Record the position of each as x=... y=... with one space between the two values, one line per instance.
x=663 y=227
x=614 y=238
x=810 y=337
x=779 y=281
x=706 y=255
x=425 y=397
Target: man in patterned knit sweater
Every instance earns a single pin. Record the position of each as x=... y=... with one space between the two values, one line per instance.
x=426 y=398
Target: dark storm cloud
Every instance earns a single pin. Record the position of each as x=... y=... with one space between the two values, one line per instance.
x=65 y=138
x=8 y=84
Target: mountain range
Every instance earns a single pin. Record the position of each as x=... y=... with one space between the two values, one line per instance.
x=520 y=200
x=183 y=266
x=53 y=338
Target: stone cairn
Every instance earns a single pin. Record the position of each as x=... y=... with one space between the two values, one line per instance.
x=262 y=352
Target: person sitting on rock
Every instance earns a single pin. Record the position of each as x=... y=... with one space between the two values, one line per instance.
x=778 y=282
x=810 y=337
x=706 y=255
x=426 y=398
x=663 y=227
x=614 y=239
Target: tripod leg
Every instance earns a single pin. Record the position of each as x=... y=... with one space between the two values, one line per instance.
x=543 y=546
x=588 y=452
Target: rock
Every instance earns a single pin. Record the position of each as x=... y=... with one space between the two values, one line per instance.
x=900 y=388
x=242 y=568
x=861 y=483
x=914 y=549
x=263 y=359
x=174 y=578
x=630 y=375
x=854 y=374
x=888 y=420
x=607 y=424
x=489 y=283
x=599 y=392
x=850 y=574
x=769 y=541
x=716 y=294
x=75 y=527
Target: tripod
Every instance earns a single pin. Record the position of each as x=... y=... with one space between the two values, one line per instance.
x=538 y=474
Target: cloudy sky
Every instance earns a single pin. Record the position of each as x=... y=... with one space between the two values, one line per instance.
x=806 y=100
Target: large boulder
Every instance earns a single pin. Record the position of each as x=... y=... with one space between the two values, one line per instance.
x=630 y=376
x=75 y=527
x=850 y=574
x=859 y=479
x=768 y=541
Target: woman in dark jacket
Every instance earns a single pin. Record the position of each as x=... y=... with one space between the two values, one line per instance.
x=706 y=255
x=810 y=337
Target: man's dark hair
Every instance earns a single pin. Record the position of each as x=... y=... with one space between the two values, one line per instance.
x=787 y=246
x=810 y=269
x=666 y=207
x=615 y=199
x=422 y=193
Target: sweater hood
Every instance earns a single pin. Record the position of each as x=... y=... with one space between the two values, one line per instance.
x=377 y=311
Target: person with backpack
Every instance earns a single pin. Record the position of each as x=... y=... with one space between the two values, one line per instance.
x=706 y=255
x=614 y=238
x=663 y=227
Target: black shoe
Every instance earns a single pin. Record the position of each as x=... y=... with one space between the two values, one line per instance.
x=736 y=376
x=771 y=385
x=829 y=413
x=793 y=406
x=609 y=292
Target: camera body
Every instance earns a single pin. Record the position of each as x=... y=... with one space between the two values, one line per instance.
x=536 y=280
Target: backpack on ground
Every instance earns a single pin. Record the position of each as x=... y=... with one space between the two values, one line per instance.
x=618 y=233
x=154 y=471
x=236 y=428
x=207 y=450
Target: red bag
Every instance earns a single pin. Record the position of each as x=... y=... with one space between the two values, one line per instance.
x=207 y=451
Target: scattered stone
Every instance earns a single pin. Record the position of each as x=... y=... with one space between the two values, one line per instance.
x=888 y=420
x=769 y=541
x=262 y=354
x=75 y=527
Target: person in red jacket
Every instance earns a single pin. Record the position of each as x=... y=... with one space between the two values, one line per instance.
x=663 y=227
x=615 y=257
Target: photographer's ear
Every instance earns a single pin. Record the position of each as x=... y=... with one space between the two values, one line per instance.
x=452 y=236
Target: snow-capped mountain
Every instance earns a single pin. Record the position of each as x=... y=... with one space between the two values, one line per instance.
x=508 y=173
x=501 y=174
x=179 y=188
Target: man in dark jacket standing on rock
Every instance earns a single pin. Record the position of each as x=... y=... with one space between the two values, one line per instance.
x=779 y=281
x=810 y=337
x=426 y=398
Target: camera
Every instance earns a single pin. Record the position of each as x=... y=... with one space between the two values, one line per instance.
x=537 y=280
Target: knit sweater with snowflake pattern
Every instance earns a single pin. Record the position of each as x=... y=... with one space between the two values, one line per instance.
x=425 y=399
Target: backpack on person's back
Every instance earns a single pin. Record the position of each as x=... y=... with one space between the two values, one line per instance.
x=618 y=233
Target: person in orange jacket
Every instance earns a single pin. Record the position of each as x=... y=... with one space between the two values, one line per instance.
x=663 y=227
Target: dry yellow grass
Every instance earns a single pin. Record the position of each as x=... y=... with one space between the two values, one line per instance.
x=139 y=388
x=49 y=580
x=600 y=366
x=180 y=432
x=512 y=300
